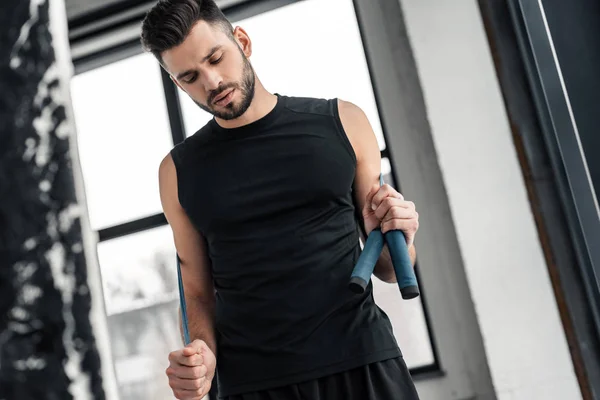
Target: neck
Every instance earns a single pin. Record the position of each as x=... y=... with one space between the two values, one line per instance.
x=262 y=103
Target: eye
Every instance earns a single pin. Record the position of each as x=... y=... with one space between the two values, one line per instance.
x=218 y=60
x=191 y=79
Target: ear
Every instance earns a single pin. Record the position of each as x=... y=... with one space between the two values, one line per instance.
x=243 y=40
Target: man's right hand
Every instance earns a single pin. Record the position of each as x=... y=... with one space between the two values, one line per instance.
x=191 y=371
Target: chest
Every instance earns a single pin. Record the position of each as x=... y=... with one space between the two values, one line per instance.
x=276 y=178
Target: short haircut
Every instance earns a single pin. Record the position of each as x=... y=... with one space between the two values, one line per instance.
x=169 y=22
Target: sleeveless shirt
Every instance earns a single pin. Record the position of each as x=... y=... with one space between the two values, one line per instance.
x=274 y=202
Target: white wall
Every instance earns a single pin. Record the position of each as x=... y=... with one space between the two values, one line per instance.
x=523 y=336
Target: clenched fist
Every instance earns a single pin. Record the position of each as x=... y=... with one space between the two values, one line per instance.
x=387 y=209
x=191 y=371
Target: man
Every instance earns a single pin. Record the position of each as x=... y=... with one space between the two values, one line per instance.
x=263 y=203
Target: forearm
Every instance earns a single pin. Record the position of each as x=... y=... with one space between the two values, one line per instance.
x=201 y=321
x=384 y=269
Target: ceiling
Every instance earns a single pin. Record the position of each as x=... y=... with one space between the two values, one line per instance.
x=99 y=27
x=80 y=12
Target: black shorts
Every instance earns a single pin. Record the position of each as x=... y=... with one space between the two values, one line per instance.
x=385 y=380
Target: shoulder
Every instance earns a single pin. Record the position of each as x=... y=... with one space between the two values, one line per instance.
x=177 y=157
x=179 y=154
x=357 y=128
x=349 y=117
x=350 y=112
x=310 y=105
x=167 y=170
x=338 y=108
x=171 y=168
x=334 y=107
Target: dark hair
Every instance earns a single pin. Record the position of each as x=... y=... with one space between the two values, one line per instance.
x=169 y=22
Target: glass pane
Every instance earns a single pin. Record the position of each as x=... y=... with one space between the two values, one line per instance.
x=194 y=117
x=141 y=295
x=311 y=62
x=123 y=133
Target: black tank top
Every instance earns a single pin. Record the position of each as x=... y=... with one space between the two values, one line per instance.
x=274 y=201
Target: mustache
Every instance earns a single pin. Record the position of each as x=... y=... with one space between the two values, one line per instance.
x=220 y=90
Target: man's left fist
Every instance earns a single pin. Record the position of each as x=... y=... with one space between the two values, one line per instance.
x=386 y=208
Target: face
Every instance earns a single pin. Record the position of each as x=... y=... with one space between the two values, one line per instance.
x=214 y=70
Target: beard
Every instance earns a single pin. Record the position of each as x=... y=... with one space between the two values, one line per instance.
x=246 y=89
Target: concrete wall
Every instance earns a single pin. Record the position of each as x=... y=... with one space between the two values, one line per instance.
x=523 y=338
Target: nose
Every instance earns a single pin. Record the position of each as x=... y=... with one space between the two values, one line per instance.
x=212 y=80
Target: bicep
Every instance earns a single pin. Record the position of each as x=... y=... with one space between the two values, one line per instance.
x=366 y=148
x=189 y=243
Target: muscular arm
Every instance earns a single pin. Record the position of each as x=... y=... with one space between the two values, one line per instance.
x=364 y=142
x=195 y=265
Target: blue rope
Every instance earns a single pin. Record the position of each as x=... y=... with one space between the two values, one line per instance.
x=184 y=319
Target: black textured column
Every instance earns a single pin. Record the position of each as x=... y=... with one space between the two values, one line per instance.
x=47 y=347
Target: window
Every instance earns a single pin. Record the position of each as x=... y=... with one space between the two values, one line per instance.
x=194 y=117
x=123 y=133
x=138 y=269
x=141 y=295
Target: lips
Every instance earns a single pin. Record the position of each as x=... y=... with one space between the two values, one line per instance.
x=222 y=96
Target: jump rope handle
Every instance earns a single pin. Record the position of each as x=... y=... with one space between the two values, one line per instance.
x=405 y=274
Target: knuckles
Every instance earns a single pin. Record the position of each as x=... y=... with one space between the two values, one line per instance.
x=197 y=393
x=413 y=225
x=197 y=384
x=385 y=191
x=199 y=372
x=195 y=359
x=396 y=212
x=181 y=395
x=388 y=202
x=405 y=225
x=389 y=191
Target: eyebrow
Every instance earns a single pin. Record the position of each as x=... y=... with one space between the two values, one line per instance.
x=191 y=71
